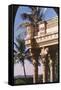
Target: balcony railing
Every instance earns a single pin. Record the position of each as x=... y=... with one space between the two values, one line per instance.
x=44 y=40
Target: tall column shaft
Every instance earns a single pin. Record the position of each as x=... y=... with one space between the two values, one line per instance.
x=44 y=78
x=51 y=74
x=44 y=70
x=51 y=69
x=44 y=52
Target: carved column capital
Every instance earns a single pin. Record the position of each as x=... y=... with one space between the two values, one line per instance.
x=44 y=52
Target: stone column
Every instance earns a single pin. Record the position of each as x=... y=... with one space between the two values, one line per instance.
x=44 y=53
x=44 y=67
x=51 y=68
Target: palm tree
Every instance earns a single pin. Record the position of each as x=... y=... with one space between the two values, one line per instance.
x=33 y=18
x=19 y=54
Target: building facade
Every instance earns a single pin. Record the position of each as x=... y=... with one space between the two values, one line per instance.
x=46 y=42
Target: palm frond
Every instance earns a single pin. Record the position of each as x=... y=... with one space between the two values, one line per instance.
x=24 y=24
x=32 y=8
x=15 y=51
x=17 y=47
x=27 y=16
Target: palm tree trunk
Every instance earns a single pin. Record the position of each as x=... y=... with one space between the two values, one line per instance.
x=35 y=73
x=35 y=54
x=24 y=70
x=35 y=76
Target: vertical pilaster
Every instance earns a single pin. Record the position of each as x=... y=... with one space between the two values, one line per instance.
x=44 y=67
x=51 y=68
x=44 y=52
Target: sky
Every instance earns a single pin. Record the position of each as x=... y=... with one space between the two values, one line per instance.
x=18 y=68
x=48 y=14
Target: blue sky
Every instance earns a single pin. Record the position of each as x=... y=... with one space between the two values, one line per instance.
x=48 y=14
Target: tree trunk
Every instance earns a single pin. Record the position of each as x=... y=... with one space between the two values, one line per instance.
x=24 y=70
x=35 y=76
